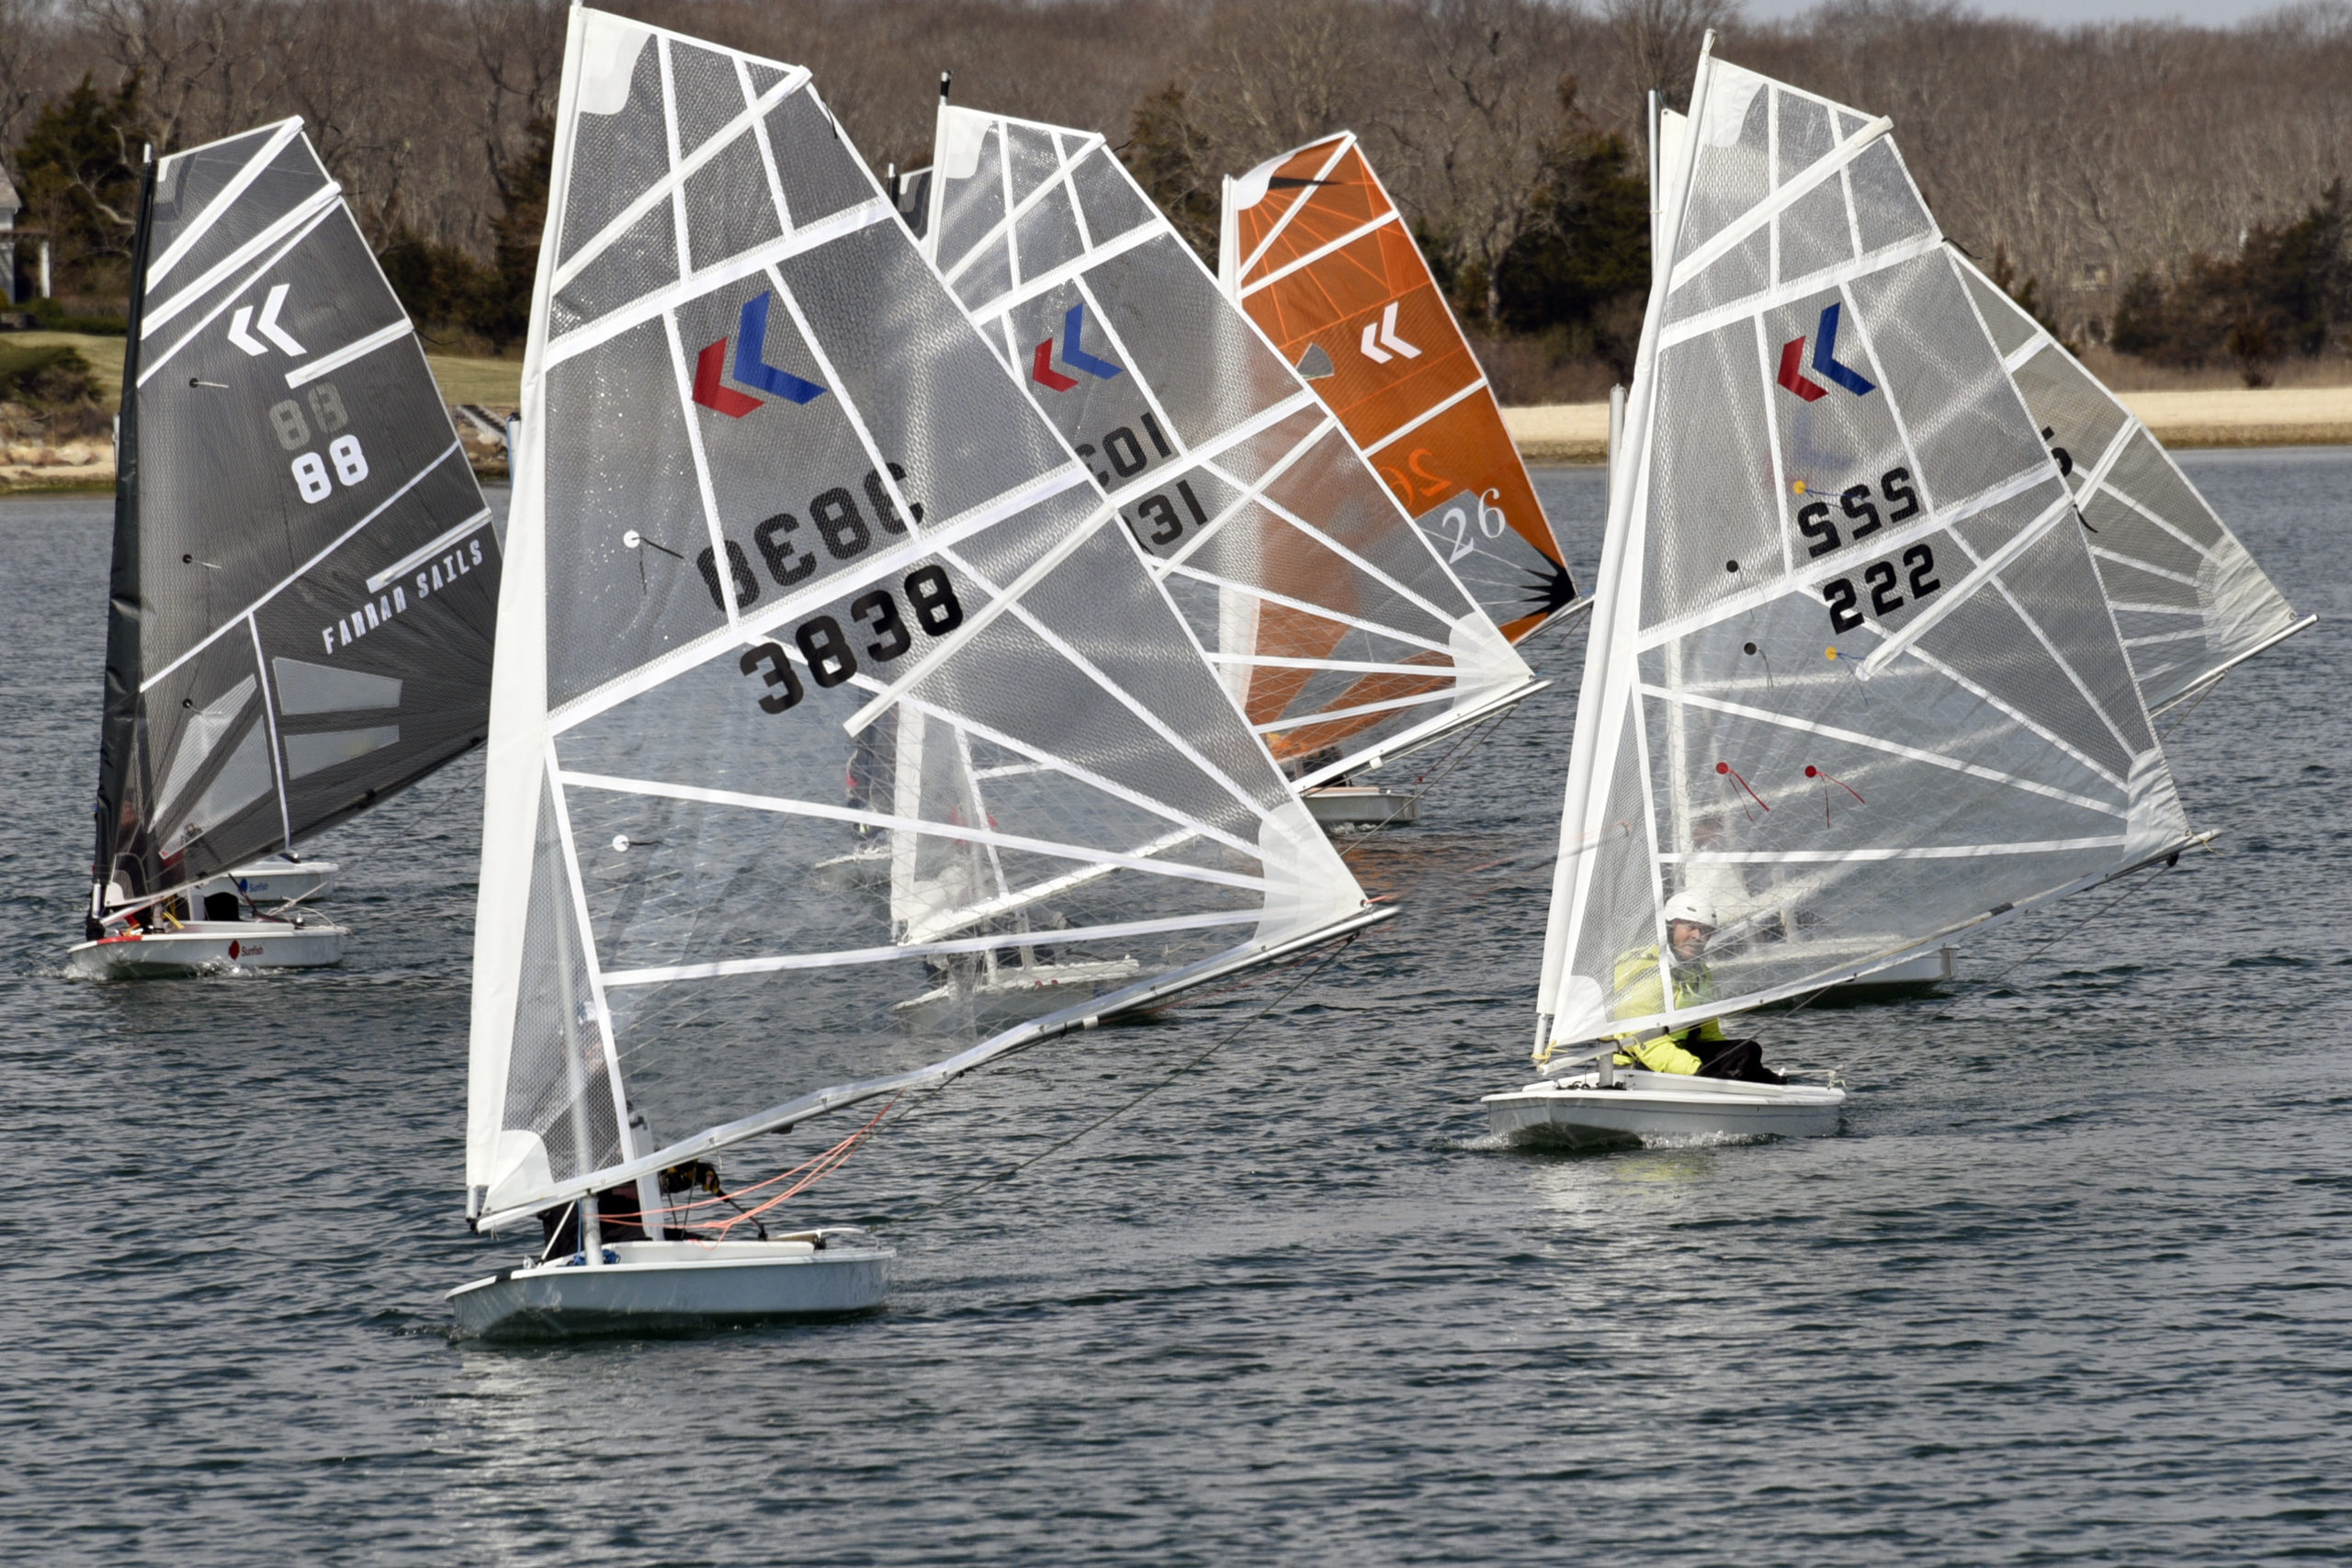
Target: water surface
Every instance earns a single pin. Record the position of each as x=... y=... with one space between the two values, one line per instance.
x=2071 y=1287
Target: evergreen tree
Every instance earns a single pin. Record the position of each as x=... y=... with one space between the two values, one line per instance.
x=1584 y=249
x=80 y=166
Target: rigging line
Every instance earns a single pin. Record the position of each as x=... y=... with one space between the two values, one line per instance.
x=1121 y=1109
x=2130 y=888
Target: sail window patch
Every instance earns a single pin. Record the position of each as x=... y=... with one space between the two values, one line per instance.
x=304 y=688
x=308 y=754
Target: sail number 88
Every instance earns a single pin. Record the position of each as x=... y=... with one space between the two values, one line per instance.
x=311 y=469
x=293 y=432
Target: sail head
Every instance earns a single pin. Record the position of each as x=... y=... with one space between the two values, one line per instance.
x=1317 y=254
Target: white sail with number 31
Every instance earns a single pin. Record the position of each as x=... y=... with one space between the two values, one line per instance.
x=1852 y=685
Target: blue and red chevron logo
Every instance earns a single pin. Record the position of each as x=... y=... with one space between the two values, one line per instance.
x=1824 y=362
x=1074 y=354
x=751 y=368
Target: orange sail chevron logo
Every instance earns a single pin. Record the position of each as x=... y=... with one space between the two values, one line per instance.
x=1384 y=330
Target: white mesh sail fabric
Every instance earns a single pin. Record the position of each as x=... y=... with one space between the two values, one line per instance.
x=1852 y=682
x=2188 y=596
x=840 y=740
x=1339 y=630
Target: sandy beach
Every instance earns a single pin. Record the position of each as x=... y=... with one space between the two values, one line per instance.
x=2287 y=416
x=1559 y=433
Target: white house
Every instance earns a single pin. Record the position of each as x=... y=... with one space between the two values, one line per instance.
x=9 y=206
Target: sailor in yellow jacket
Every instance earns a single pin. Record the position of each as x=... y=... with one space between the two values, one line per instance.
x=1700 y=1048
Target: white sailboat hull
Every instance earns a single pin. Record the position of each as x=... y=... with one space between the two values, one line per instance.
x=276 y=879
x=205 y=947
x=1661 y=1108
x=1917 y=973
x=648 y=1285
x=1361 y=806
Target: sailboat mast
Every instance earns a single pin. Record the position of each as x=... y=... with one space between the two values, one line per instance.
x=119 y=731
x=1599 y=722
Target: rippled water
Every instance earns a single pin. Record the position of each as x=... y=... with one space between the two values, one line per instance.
x=2072 y=1286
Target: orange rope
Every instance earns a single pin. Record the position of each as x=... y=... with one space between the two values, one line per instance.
x=829 y=1161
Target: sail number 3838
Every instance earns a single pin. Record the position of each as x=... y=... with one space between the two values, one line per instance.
x=830 y=651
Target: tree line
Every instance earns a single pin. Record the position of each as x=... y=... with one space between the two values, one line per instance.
x=2172 y=191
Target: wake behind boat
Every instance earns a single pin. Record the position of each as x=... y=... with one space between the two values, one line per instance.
x=304 y=574
x=696 y=928
x=1852 y=687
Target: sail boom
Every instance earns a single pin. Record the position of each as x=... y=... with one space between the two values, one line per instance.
x=2201 y=684
x=1081 y=1016
x=1862 y=968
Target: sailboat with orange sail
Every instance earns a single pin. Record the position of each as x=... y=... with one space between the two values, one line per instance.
x=1314 y=250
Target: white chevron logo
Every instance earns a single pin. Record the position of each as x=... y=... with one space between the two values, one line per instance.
x=1387 y=331
x=271 y=329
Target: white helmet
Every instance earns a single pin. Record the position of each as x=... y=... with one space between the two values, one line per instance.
x=1691 y=908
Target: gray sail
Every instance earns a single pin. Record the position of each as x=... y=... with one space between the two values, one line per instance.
x=1336 y=625
x=1853 y=685
x=305 y=579
x=2188 y=595
x=841 y=740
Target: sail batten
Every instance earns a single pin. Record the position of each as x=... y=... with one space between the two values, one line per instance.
x=1316 y=253
x=2154 y=527
x=1854 y=684
x=302 y=598
x=861 y=747
x=1197 y=432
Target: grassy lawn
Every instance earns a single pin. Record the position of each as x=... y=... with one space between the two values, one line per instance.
x=495 y=382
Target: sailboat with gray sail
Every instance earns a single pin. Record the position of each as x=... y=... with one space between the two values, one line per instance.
x=794 y=567
x=305 y=575
x=1853 y=687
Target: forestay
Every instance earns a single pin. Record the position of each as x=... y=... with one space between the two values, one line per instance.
x=1852 y=680
x=2188 y=596
x=840 y=740
x=305 y=576
x=1336 y=626
x=1314 y=250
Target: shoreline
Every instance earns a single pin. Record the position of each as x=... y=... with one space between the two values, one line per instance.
x=2233 y=416
x=1566 y=433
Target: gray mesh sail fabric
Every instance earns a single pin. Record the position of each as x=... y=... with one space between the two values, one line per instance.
x=2188 y=596
x=305 y=576
x=1337 y=627
x=1853 y=683
x=839 y=738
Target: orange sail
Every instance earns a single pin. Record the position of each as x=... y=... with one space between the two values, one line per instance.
x=1315 y=252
